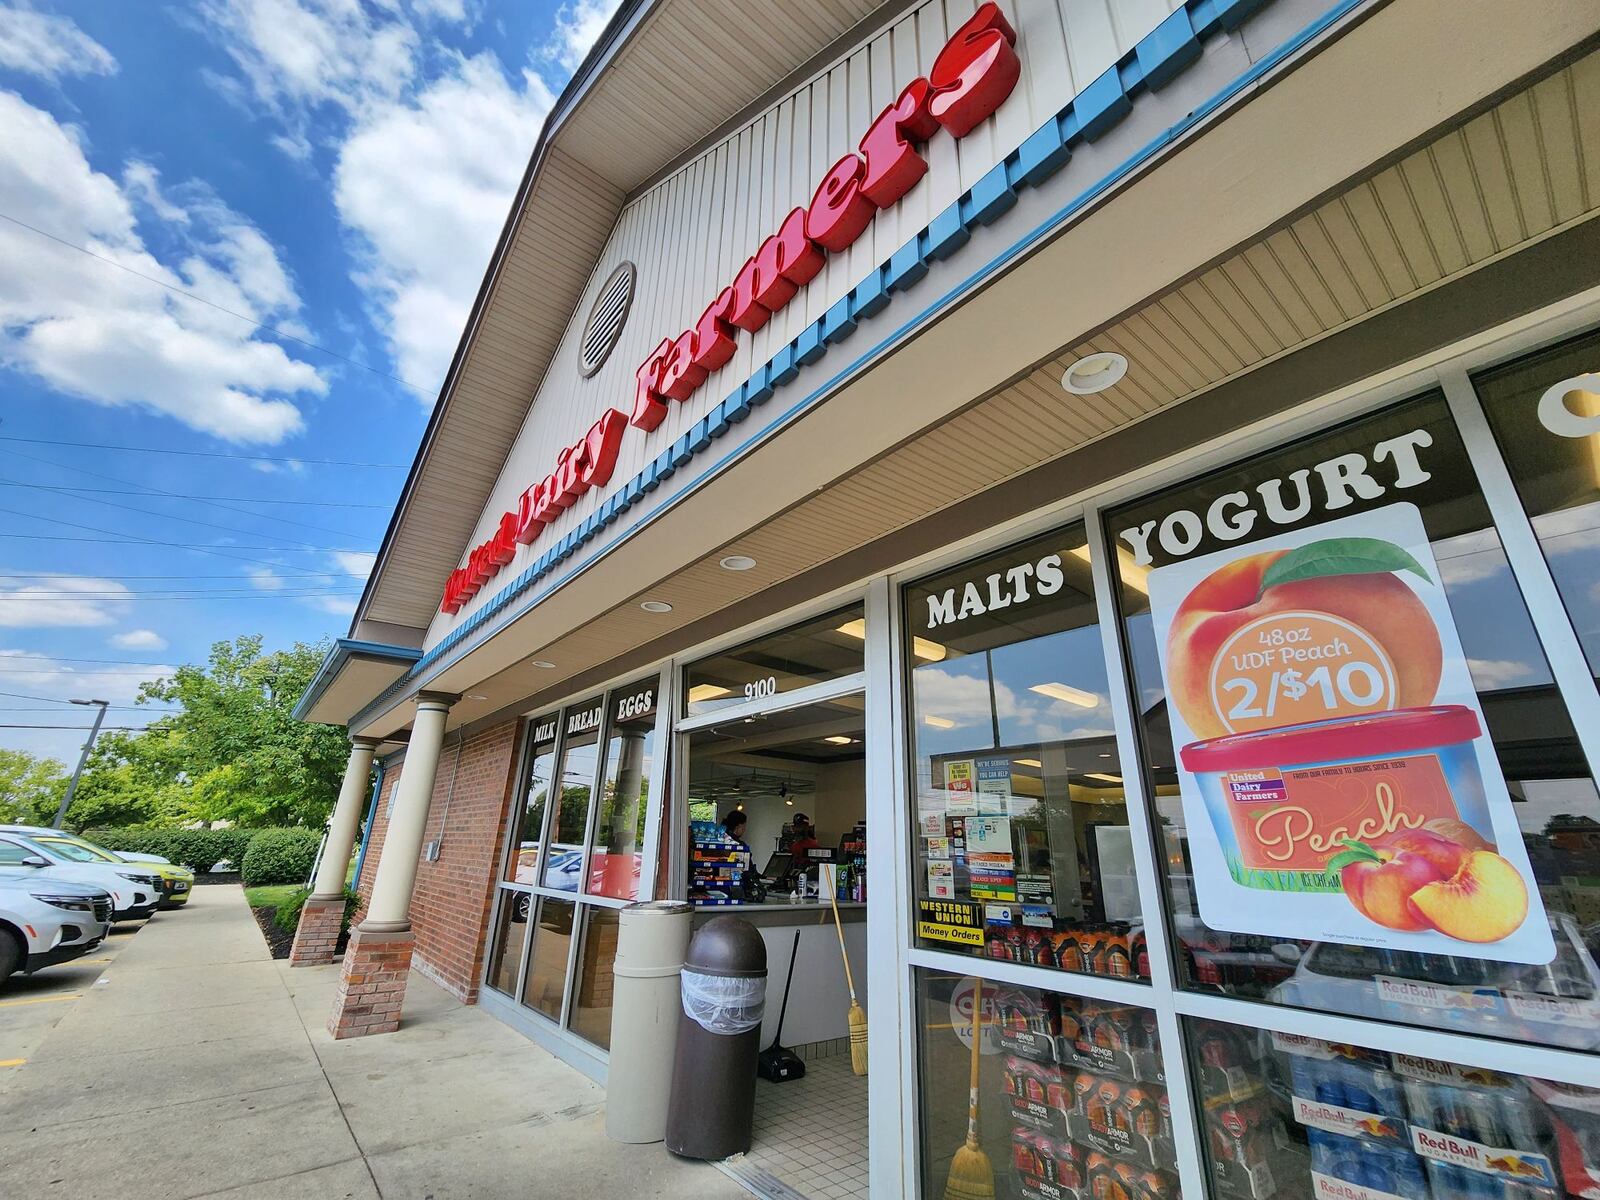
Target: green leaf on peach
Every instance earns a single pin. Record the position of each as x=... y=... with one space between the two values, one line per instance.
x=1341 y=556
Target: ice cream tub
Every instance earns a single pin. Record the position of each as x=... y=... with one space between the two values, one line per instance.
x=1285 y=801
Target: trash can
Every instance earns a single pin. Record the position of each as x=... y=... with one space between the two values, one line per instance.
x=724 y=990
x=652 y=938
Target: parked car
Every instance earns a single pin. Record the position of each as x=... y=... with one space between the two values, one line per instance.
x=175 y=882
x=135 y=890
x=45 y=920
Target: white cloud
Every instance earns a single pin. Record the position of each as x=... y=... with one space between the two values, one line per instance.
x=425 y=185
x=339 y=606
x=35 y=675
x=139 y=639
x=298 y=55
x=55 y=601
x=104 y=335
x=356 y=562
x=1492 y=674
x=264 y=579
x=578 y=27
x=35 y=43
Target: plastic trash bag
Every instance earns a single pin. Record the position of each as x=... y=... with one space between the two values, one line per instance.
x=722 y=1005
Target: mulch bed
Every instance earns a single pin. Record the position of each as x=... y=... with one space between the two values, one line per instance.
x=278 y=941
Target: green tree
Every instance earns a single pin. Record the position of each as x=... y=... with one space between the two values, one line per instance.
x=30 y=785
x=233 y=751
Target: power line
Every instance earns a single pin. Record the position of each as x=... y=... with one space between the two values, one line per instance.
x=85 y=728
x=121 y=541
x=43 y=575
x=20 y=696
x=211 y=499
x=112 y=707
x=128 y=537
x=310 y=462
x=171 y=287
x=104 y=597
x=152 y=489
x=115 y=662
x=155 y=512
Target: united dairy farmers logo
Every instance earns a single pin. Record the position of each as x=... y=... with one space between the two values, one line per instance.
x=971 y=77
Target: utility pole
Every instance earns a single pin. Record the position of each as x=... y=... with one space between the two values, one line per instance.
x=88 y=745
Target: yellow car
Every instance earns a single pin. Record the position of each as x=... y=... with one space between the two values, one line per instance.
x=175 y=882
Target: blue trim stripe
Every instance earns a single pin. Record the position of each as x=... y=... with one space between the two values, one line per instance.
x=1157 y=59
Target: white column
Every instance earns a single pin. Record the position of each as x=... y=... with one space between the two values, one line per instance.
x=346 y=820
x=389 y=910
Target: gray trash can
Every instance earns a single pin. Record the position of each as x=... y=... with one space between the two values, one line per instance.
x=652 y=939
x=724 y=991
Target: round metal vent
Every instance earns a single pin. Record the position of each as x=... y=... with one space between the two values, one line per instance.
x=604 y=326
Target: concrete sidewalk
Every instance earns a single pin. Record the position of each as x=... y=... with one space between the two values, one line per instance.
x=198 y=1066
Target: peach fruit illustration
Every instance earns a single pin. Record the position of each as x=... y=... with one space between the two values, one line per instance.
x=1484 y=901
x=1445 y=853
x=1460 y=832
x=1381 y=881
x=1233 y=595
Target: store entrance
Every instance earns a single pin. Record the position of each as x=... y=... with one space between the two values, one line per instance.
x=790 y=787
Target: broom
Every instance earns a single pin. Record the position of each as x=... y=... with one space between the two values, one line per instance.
x=971 y=1177
x=858 y=1015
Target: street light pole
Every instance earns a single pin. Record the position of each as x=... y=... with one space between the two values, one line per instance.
x=88 y=745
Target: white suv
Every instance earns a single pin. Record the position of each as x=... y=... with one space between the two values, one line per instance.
x=45 y=920
x=135 y=891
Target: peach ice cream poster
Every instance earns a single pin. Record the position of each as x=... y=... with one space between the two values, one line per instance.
x=1337 y=774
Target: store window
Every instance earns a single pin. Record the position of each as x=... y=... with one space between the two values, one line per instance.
x=1545 y=412
x=1022 y=844
x=1295 y=1116
x=546 y=983
x=579 y=757
x=1070 y=1099
x=591 y=1001
x=522 y=864
x=826 y=648
x=617 y=854
x=508 y=941
x=1363 y=775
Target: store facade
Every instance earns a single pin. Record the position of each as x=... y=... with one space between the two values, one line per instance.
x=1153 y=547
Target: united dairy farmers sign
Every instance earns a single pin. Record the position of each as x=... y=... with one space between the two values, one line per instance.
x=971 y=77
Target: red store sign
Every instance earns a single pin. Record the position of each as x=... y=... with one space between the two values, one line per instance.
x=970 y=79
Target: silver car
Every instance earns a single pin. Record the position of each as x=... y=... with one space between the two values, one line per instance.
x=45 y=920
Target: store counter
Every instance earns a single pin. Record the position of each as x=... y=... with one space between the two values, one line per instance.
x=819 y=1000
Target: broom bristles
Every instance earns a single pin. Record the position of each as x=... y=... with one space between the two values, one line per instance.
x=858 y=1039
x=971 y=1176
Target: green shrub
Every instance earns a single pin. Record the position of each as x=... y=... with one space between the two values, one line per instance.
x=197 y=849
x=287 y=914
x=279 y=856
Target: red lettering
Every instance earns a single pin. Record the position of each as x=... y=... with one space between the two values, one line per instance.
x=529 y=522
x=680 y=377
x=975 y=71
x=503 y=546
x=839 y=213
x=893 y=164
x=648 y=406
x=782 y=264
x=602 y=444
x=713 y=336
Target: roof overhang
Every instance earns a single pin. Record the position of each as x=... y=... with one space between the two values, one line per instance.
x=351 y=674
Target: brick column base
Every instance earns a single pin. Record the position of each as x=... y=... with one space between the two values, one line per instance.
x=317 y=934
x=372 y=984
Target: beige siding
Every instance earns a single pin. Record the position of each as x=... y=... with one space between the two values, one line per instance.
x=690 y=233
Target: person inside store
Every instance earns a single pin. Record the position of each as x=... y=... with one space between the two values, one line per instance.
x=733 y=825
x=805 y=839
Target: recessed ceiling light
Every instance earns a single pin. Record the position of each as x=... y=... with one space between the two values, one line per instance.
x=838 y=741
x=1134 y=575
x=1094 y=373
x=542 y=664
x=1106 y=755
x=1027 y=762
x=1103 y=778
x=923 y=648
x=656 y=606
x=939 y=722
x=706 y=691
x=738 y=562
x=1067 y=694
x=474 y=697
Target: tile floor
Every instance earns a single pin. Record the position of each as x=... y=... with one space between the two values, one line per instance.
x=810 y=1136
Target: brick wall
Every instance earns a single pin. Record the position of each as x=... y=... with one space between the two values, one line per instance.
x=453 y=896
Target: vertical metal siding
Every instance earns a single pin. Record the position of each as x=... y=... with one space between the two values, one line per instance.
x=689 y=234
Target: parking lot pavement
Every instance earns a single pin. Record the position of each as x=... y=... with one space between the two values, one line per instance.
x=32 y=1005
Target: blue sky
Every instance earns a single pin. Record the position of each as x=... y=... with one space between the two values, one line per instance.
x=249 y=231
